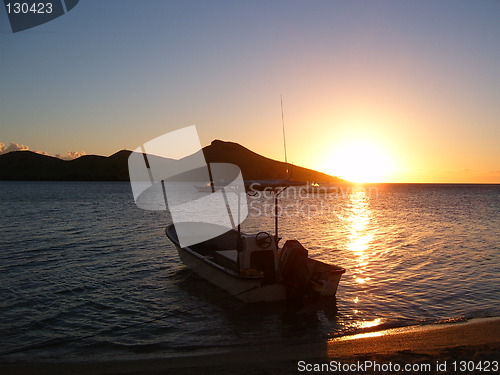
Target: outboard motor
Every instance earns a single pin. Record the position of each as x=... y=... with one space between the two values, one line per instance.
x=294 y=271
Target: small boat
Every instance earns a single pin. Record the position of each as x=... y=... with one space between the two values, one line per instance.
x=316 y=188
x=207 y=188
x=252 y=267
x=259 y=271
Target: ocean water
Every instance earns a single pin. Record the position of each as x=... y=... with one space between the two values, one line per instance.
x=85 y=274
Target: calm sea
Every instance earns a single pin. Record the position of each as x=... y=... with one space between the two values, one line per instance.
x=85 y=274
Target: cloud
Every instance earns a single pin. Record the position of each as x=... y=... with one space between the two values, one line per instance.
x=12 y=147
x=70 y=155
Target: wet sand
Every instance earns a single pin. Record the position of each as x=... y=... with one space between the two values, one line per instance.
x=476 y=341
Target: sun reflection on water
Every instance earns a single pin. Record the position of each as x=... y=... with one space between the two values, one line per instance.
x=359 y=238
x=370 y=323
x=355 y=337
x=358 y=246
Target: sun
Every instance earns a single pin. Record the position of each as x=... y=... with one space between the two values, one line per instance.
x=360 y=161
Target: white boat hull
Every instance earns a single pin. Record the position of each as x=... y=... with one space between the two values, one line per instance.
x=247 y=289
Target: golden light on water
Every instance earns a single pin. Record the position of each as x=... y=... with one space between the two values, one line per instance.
x=364 y=324
x=370 y=323
x=357 y=218
x=358 y=336
x=360 y=280
x=359 y=239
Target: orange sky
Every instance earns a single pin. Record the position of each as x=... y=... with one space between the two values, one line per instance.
x=373 y=91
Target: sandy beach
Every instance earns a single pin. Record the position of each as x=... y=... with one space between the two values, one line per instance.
x=434 y=349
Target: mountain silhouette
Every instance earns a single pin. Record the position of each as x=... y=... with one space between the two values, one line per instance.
x=257 y=167
x=30 y=166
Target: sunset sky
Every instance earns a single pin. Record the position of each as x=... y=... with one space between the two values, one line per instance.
x=374 y=91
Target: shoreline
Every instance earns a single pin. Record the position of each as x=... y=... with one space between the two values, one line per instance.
x=473 y=340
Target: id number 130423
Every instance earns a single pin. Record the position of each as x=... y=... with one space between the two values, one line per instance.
x=24 y=8
x=472 y=366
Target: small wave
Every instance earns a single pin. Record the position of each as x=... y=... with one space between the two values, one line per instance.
x=108 y=345
x=73 y=290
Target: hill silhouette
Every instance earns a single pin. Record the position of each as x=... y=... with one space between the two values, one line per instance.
x=30 y=166
x=257 y=167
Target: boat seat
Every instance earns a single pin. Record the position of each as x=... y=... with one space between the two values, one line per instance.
x=227 y=259
x=229 y=254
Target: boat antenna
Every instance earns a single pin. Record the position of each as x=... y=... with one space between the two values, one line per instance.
x=276 y=193
x=283 y=127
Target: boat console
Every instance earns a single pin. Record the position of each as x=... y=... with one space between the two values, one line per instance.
x=259 y=254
